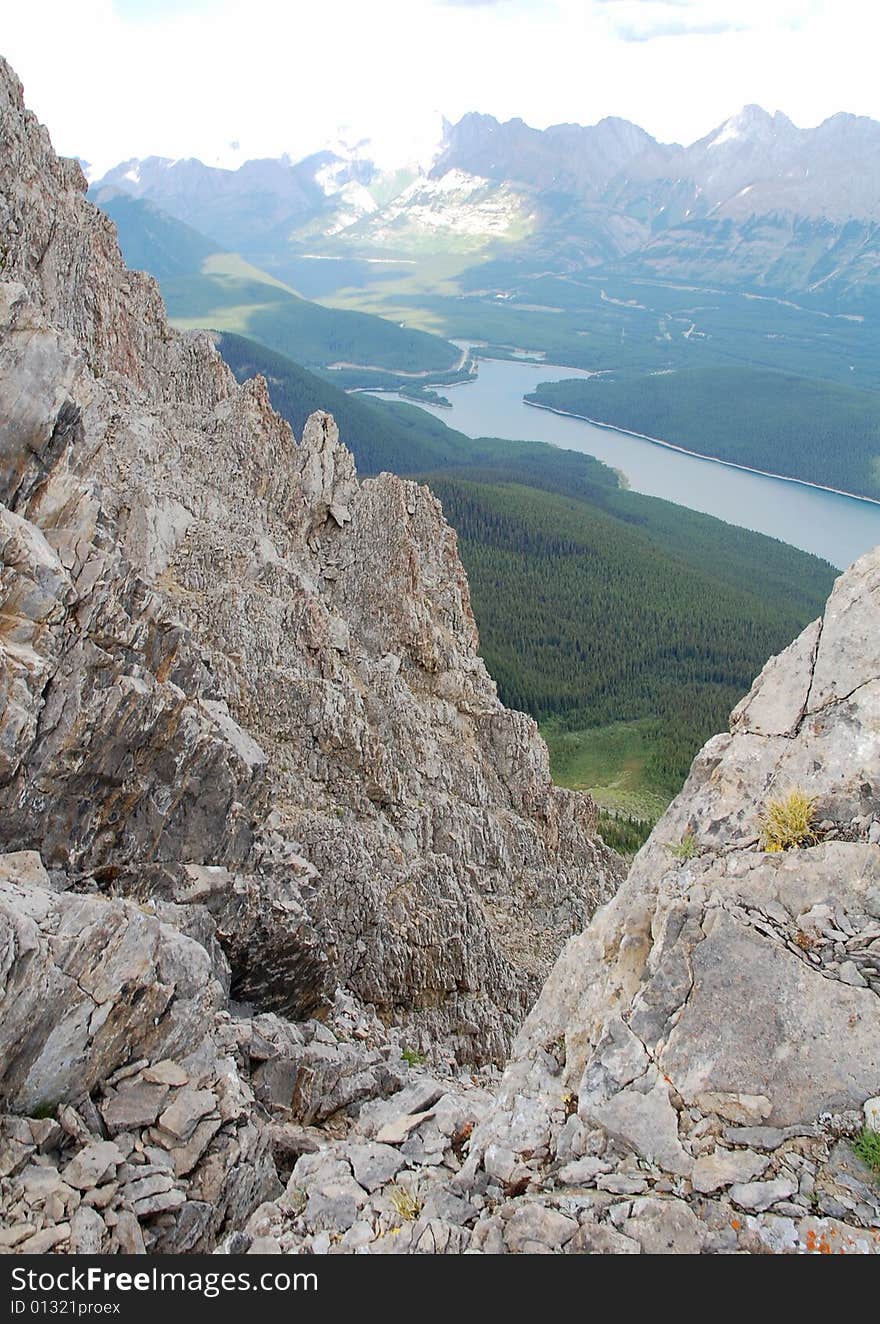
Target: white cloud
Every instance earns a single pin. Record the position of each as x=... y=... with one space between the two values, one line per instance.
x=190 y=78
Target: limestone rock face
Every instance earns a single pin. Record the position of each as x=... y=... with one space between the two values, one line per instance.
x=86 y=984
x=239 y=681
x=731 y=1001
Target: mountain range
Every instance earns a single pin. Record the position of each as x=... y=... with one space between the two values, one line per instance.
x=757 y=202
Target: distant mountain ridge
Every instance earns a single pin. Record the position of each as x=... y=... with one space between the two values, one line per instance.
x=757 y=202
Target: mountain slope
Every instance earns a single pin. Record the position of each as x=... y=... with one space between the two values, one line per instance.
x=405 y=440
x=206 y=286
x=154 y=241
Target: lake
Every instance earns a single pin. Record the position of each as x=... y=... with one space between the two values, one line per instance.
x=838 y=528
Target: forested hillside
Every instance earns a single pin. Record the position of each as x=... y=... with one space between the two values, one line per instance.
x=595 y=618
x=204 y=285
x=814 y=430
x=627 y=625
x=155 y=242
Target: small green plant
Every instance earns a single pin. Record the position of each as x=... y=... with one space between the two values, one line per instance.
x=409 y=1206
x=685 y=849
x=413 y=1058
x=867 y=1146
x=45 y=1112
x=788 y=822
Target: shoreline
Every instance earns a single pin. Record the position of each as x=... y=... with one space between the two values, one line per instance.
x=699 y=455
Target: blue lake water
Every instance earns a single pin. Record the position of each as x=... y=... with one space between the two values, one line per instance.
x=838 y=528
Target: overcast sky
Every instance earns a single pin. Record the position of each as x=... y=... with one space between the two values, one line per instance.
x=228 y=79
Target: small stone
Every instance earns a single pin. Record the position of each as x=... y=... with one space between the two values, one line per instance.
x=157 y=1157
x=872 y=1113
x=265 y=1246
x=849 y=974
x=756 y=1137
x=665 y=1227
x=571 y=1141
x=760 y=1195
x=134 y=1108
x=46 y=1133
x=185 y=1157
x=40 y=1182
x=396 y=1132
x=24 y=867
x=87 y=1232
x=582 y=1172
x=92 y=1165
x=42 y=1242
x=724 y=1167
x=599 y=1239
x=158 y=1203
x=335 y=1206
x=100 y=1196
x=11 y=1236
x=184 y=1113
x=488 y=1238
x=415 y=1098
x=534 y=1229
x=73 y=1125
x=443 y=1204
x=358 y=1235
x=126 y=1072
x=127 y=1232
x=154 y=1184
x=622 y=1183
x=816 y=920
x=166 y=1072
x=373 y=1164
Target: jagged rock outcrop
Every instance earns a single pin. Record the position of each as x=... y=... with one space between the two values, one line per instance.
x=240 y=682
x=699 y=1062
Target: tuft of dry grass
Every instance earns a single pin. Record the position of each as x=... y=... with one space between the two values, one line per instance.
x=686 y=848
x=409 y=1206
x=788 y=822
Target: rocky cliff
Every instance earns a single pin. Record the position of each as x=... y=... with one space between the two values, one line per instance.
x=247 y=748
x=699 y=1064
x=222 y=652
